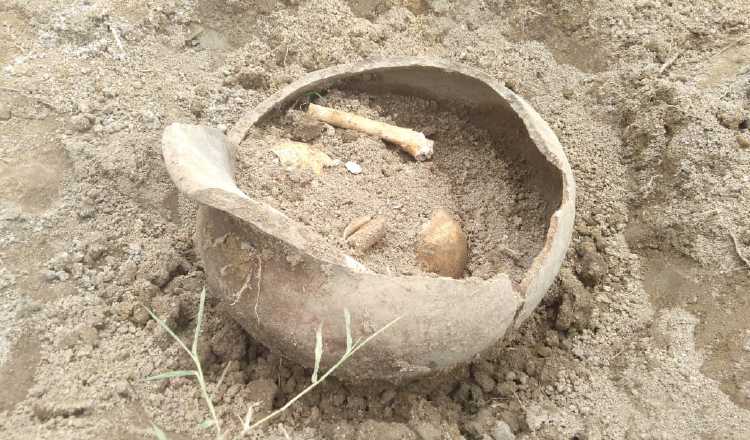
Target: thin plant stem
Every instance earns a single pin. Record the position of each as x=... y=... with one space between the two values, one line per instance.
x=194 y=357
x=209 y=403
x=198 y=373
x=322 y=378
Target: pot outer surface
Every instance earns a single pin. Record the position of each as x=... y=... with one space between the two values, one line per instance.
x=281 y=281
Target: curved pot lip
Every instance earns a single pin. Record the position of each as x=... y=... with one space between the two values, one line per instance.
x=559 y=229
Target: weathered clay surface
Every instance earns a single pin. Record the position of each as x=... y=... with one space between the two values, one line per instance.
x=280 y=281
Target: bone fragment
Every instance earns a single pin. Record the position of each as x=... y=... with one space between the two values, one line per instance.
x=367 y=235
x=442 y=246
x=355 y=224
x=413 y=142
x=301 y=156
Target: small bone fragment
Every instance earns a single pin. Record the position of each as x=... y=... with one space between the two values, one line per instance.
x=367 y=235
x=353 y=167
x=441 y=245
x=355 y=224
x=298 y=155
x=413 y=142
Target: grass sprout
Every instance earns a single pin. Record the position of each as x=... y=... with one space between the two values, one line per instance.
x=247 y=422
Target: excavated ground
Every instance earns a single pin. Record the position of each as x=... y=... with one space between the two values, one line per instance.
x=644 y=336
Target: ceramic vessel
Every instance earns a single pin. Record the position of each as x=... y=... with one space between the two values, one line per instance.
x=280 y=280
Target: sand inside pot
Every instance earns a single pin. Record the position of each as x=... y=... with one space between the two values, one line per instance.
x=472 y=175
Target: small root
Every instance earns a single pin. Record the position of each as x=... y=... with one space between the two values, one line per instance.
x=728 y=46
x=223 y=375
x=257 y=298
x=669 y=62
x=245 y=285
x=737 y=249
x=118 y=41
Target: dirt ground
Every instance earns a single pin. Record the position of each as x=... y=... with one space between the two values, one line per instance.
x=644 y=336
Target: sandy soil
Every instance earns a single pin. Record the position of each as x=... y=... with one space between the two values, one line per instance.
x=645 y=336
x=473 y=177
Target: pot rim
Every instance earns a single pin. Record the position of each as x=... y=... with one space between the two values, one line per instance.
x=538 y=131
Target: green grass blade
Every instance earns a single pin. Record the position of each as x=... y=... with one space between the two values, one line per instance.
x=330 y=371
x=164 y=325
x=172 y=374
x=313 y=95
x=199 y=322
x=158 y=433
x=318 y=351
x=348 y=321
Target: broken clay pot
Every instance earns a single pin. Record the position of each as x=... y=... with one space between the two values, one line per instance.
x=281 y=280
